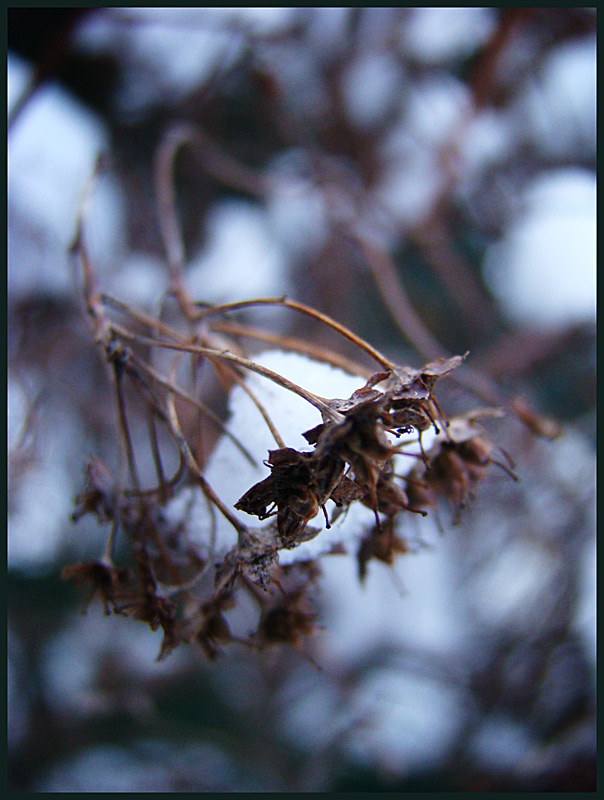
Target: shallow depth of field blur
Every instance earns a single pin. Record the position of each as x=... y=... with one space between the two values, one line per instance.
x=462 y=142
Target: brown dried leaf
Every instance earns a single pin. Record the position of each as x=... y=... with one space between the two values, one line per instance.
x=359 y=441
x=214 y=629
x=381 y=543
x=294 y=531
x=156 y=611
x=286 y=623
x=289 y=616
x=112 y=584
x=407 y=384
x=260 y=500
x=100 y=493
x=346 y=492
x=442 y=366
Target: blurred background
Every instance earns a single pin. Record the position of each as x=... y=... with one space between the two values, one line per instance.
x=450 y=150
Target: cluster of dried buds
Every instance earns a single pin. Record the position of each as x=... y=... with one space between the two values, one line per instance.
x=189 y=592
x=164 y=588
x=352 y=460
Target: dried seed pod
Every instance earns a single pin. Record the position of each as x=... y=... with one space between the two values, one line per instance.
x=100 y=493
x=214 y=629
x=286 y=622
x=112 y=584
x=381 y=543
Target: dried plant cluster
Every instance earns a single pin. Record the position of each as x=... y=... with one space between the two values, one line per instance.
x=158 y=576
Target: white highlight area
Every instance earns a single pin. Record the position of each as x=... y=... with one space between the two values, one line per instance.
x=544 y=270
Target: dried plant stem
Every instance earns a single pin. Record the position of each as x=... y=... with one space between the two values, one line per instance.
x=264 y=413
x=287 y=342
x=125 y=430
x=162 y=549
x=434 y=239
x=403 y=314
x=160 y=327
x=144 y=318
x=397 y=300
x=169 y=483
x=107 y=557
x=159 y=470
x=195 y=469
x=90 y=291
x=309 y=311
x=224 y=355
x=169 y=224
x=341 y=329
x=318 y=402
x=212 y=543
x=186 y=586
x=216 y=163
x=196 y=374
x=294 y=344
x=201 y=407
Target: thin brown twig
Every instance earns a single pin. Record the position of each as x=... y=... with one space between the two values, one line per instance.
x=216 y=163
x=287 y=342
x=294 y=344
x=107 y=557
x=155 y=450
x=259 y=405
x=309 y=311
x=90 y=291
x=318 y=402
x=397 y=302
x=145 y=319
x=201 y=407
x=196 y=376
x=149 y=321
x=196 y=470
x=169 y=224
x=169 y=483
x=125 y=428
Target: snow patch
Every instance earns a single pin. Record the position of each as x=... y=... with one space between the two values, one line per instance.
x=544 y=271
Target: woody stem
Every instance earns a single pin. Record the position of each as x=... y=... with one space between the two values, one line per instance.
x=309 y=311
x=224 y=355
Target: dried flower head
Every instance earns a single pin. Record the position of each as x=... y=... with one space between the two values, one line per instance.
x=347 y=474
x=100 y=493
x=454 y=465
x=113 y=585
